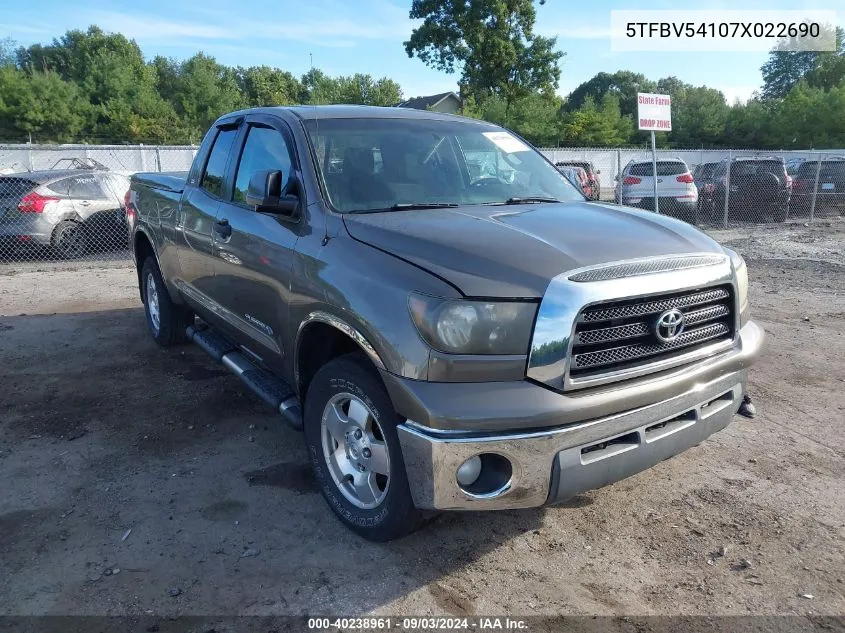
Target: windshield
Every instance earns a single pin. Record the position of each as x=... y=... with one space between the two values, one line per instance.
x=383 y=164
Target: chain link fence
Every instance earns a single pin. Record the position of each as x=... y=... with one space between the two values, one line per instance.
x=61 y=203
x=66 y=203
x=716 y=188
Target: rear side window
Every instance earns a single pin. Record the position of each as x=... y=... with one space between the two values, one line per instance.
x=213 y=178
x=265 y=149
x=85 y=188
x=706 y=170
x=664 y=168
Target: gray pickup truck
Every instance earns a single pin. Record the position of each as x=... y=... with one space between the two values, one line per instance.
x=447 y=338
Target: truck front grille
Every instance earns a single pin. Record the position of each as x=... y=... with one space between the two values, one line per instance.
x=622 y=334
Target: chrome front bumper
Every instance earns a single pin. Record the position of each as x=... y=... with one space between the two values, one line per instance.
x=552 y=465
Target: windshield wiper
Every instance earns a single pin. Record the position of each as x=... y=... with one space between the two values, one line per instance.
x=409 y=206
x=403 y=206
x=529 y=200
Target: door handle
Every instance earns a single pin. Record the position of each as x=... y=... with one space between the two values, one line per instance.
x=223 y=229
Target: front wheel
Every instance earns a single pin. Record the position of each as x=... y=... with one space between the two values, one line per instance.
x=350 y=432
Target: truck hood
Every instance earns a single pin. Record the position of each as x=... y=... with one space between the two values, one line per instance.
x=514 y=251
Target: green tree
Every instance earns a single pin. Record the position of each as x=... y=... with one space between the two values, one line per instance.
x=810 y=117
x=492 y=42
x=365 y=90
x=748 y=125
x=699 y=114
x=623 y=83
x=205 y=91
x=266 y=86
x=829 y=70
x=535 y=117
x=111 y=75
x=785 y=68
x=41 y=104
x=599 y=125
x=317 y=88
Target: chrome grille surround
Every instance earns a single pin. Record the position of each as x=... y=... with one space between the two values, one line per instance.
x=566 y=300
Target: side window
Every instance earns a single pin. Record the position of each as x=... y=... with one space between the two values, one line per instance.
x=213 y=179
x=85 y=188
x=265 y=149
x=60 y=186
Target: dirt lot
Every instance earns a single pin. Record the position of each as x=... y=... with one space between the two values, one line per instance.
x=101 y=432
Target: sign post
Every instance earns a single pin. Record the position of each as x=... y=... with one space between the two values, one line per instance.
x=654 y=113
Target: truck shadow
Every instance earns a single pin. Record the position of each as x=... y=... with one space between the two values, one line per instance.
x=97 y=420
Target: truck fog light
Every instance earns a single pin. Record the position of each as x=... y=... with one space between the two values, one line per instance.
x=469 y=471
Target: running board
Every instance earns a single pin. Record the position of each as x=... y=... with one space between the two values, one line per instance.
x=272 y=390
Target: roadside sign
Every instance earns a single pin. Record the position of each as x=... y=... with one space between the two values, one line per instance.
x=654 y=112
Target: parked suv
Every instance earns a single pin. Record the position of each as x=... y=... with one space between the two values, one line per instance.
x=703 y=177
x=759 y=188
x=676 y=191
x=73 y=211
x=593 y=182
x=830 y=192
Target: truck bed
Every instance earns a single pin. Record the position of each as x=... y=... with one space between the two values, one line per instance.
x=172 y=181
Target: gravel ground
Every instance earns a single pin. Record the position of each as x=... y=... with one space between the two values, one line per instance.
x=143 y=481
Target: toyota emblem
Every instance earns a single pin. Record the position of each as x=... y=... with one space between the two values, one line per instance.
x=669 y=325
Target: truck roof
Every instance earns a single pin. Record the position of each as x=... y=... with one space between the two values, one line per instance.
x=352 y=112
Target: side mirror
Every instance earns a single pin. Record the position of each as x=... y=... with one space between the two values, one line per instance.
x=598 y=171
x=265 y=193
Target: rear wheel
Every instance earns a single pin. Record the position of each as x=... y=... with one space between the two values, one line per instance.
x=70 y=240
x=167 y=320
x=350 y=432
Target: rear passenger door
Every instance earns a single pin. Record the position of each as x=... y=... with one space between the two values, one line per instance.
x=87 y=196
x=252 y=264
x=198 y=214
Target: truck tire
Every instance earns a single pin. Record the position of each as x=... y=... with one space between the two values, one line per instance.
x=353 y=446
x=167 y=320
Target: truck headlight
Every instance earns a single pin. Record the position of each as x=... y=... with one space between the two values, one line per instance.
x=457 y=326
x=741 y=271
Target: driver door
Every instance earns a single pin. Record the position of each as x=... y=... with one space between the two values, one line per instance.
x=254 y=251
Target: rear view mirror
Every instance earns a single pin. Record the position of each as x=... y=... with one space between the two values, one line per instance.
x=265 y=193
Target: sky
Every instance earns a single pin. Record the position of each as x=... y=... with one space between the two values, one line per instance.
x=366 y=36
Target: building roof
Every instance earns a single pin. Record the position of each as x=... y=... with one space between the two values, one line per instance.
x=422 y=103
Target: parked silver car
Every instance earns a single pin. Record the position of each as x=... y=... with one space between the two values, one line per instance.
x=676 y=190
x=74 y=211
